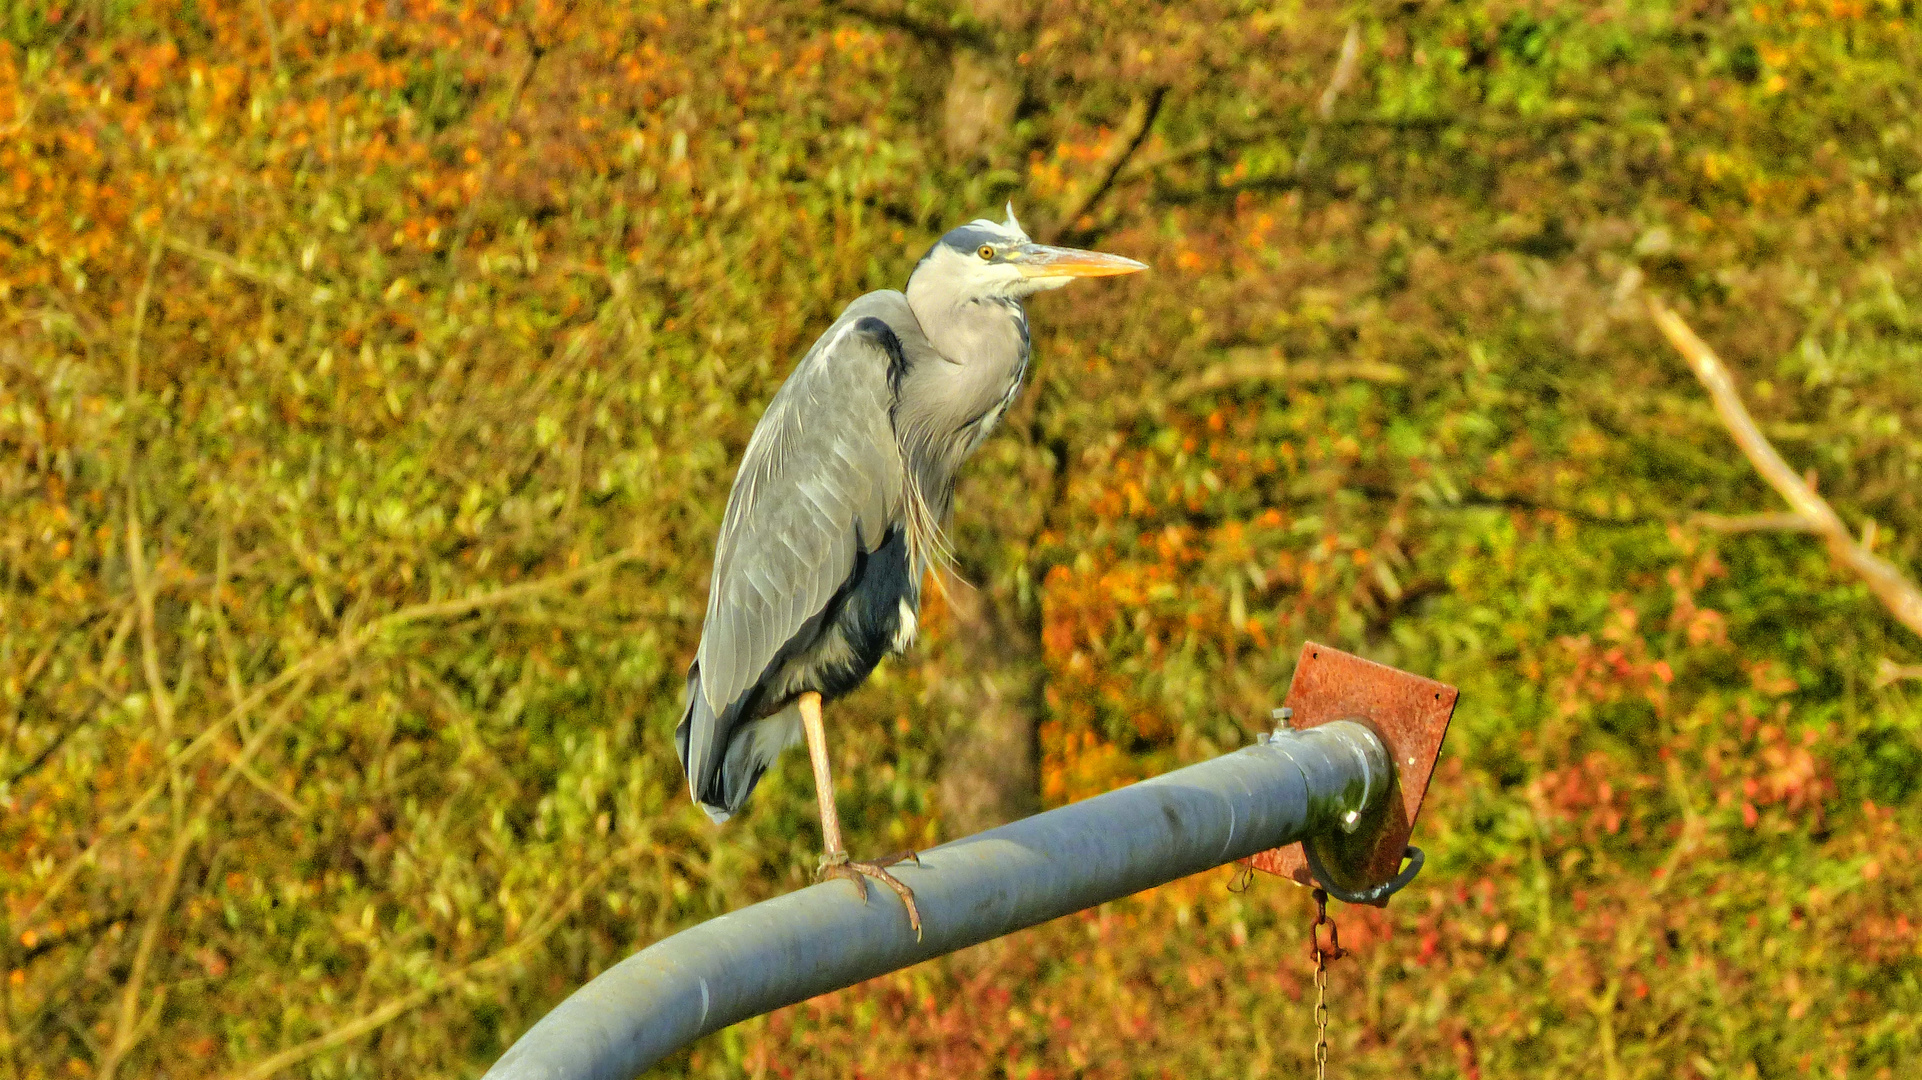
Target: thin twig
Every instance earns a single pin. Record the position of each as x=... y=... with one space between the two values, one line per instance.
x=473 y=741
x=27 y=691
x=143 y=591
x=65 y=877
x=117 y=644
x=1200 y=147
x=25 y=683
x=1345 y=66
x=272 y=35
x=1632 y=934
x=1225 y=140
x=1273 y=368
x=281 y=281
x=9 y=1035
x=1899 y=595
x=141 y=299
x=111 y=698
x=23 y=111
x=34 y=946
x=46 y=752
x=126 y=1029
x=236 y=688
x=235 y=756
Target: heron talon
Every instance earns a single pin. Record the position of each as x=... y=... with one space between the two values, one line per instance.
x=844 y=869
x=859 y=872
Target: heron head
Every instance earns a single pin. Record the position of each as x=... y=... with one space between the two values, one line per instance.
x=982 y=260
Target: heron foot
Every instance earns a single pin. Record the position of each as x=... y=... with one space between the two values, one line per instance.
x=839 y=865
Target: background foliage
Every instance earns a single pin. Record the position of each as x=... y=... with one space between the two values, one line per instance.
x=371 y=378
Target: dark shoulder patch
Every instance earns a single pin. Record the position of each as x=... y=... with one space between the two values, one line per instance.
x=879 y=332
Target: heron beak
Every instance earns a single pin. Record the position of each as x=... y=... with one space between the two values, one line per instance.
x=1042 y=261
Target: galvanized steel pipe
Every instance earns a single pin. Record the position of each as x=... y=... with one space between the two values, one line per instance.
x=824 y=938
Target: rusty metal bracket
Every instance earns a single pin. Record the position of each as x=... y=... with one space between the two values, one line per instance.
x=1410 y=715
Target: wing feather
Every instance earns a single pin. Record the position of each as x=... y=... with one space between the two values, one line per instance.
x=821 y=479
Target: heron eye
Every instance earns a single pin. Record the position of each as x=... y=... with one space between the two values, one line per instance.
x=987 y=251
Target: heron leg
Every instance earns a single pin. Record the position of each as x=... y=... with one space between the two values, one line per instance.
x=810 y=705
x=835 y=863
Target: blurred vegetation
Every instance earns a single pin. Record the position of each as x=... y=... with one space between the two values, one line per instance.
x=371 y=374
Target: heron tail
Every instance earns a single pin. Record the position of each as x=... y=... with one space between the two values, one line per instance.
x=721 y=787
x=694 y=743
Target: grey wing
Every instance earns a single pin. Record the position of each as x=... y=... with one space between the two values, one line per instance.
x=821 y=478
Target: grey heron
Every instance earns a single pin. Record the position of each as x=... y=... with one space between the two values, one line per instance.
x=838 y=510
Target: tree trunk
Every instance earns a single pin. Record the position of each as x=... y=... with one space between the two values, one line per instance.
x=989 y=681
x=984 y=90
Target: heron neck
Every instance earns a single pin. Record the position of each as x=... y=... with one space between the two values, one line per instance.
x=947 y=403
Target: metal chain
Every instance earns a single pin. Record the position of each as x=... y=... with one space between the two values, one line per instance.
x=1244 y=878
x=1334 y=951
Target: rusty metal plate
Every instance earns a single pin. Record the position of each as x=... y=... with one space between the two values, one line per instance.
x=1408 y=712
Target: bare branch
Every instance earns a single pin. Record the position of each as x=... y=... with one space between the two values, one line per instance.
x=1897 y=593
x=1344 y=72
x=237 y=757
x=133 y=1025
x=1888 y=671
x=959 y=29
x=1786 y=521
x=1133 y=132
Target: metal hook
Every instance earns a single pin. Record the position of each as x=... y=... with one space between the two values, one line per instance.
x=1374 y=895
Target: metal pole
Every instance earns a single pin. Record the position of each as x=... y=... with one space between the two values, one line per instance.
x=823 y=938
